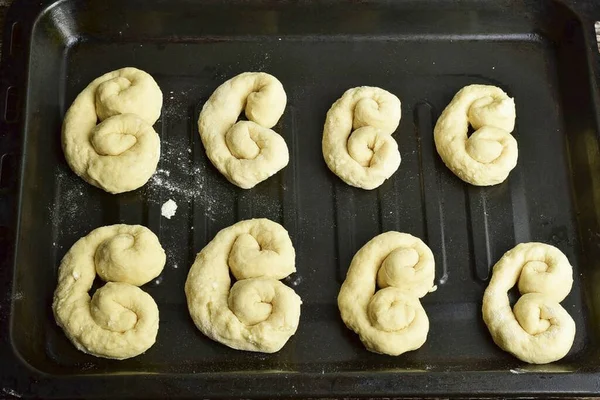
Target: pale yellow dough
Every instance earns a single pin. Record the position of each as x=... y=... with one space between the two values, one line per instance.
x=245 y=152
x=120 y=321
x=121 y=152
x=490 y=153
x=259 y=313
x=538 y=330
x=357 y=138
x=392 y=320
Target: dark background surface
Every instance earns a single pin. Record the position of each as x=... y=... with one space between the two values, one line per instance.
x=3 y=7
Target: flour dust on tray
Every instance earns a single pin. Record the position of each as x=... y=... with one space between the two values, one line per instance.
x=168 y=209
x=179 y=179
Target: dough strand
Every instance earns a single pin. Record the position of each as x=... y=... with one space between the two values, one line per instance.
x=538 y=330
x=120 y=320
x=487 y=156
x=121 y=153
x=245 y=152
x=357 y=138
x=258 y=313
x=392 y=320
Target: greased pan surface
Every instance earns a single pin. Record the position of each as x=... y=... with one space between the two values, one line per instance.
x=540 y=52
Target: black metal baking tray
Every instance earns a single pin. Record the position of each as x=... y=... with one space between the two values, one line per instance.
x=541 y=52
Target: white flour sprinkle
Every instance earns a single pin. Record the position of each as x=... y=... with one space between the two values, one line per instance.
x=184 y=182
x=168 y=209
x=69 y=203
x=174 y=186
x=11 y=392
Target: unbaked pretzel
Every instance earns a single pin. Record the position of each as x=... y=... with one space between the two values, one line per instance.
x=357 y=138
x=490 y=153
x=121 y=153
x=258 y=313
x=538 y=329
x=120 y=321
x=392 y=320
x=245 y=152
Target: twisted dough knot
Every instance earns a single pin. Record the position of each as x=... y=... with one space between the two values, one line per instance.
x=120 y=320
x=490 y=153
x=538 y=330
x=121 y=153
x=257 y=313
x=245 y=152
x=392 y=320
x=369 y=155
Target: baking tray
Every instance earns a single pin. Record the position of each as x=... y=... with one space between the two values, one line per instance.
x=541 y=52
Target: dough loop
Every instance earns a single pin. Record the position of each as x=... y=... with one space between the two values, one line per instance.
x=538 y=330
x=357 y=138
x=120 y=320
x=490 y=153
x=245 y=152
x=392 y=320
x=258 y=313
x=121 y=152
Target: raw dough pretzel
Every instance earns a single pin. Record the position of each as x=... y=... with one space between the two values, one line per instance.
x=490 y=153
x=369 y=155
x=245 y=152
x=121 y=320
x=121 y=153
x=257 y=313
x=540 y=330
x=392 y=320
